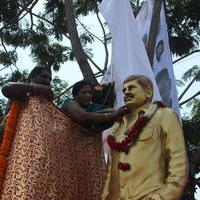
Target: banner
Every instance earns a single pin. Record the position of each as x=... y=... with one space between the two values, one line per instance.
x=53 y=158
x=128 y=51
x=162 y=64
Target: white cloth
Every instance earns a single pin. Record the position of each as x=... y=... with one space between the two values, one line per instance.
x=162 y=64
x=128 y=52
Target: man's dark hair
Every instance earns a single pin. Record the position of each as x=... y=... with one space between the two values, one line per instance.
x=37 y=70
x=161 y=42
x=78 y=85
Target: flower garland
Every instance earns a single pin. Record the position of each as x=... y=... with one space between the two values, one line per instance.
x=9 y=133
x=131 y=136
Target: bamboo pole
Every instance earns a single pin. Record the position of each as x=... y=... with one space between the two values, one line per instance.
x=154 y=30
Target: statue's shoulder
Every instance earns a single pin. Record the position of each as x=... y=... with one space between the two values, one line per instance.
x=167 y=115
x=166 y=110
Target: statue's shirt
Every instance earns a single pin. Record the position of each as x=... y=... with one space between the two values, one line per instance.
x=158 y=160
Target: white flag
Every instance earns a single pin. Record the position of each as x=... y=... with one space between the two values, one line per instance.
x=162 y=64
x=128 y=52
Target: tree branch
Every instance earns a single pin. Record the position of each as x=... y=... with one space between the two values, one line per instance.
x=3 y=68
x=17 y=17
x=46 y=20
x=153 y=30
x=66 y=90
x=105 y=39
x=189 y=99
x=31 y=17
x=4 y=47
x=97 y=39
x=186 y=89
x=88 y=30
x=177 y=60
x=80 y=55
x=100 y=70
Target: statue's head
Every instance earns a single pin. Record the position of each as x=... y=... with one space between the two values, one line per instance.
x=41 y=75
x=82 y=92
x=138 y=91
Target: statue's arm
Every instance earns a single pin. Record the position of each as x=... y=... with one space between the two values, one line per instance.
x=176 y=157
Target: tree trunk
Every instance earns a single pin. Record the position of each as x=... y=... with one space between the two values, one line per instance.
x=80 y=55
x=154 y=30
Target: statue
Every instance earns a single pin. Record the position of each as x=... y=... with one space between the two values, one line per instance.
x=147 y=160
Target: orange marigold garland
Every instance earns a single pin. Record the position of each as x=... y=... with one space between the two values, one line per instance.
x=9 y=133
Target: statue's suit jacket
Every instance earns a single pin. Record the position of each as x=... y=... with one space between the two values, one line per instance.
x=158 y=160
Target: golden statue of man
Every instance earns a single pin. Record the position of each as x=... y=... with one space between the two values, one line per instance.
x=147 y=160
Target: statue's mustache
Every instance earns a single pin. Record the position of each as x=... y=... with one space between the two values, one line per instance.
x=129 y=96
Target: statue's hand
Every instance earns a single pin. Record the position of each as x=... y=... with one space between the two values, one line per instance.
x=39 y=89
x=153 y=196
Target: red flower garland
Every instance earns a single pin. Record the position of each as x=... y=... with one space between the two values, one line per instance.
x=124 y=166
x=9 y=133
x=131 y=137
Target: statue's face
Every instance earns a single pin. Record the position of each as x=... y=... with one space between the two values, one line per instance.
x=134 y=94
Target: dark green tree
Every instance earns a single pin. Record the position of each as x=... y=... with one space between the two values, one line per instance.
x=191 y=127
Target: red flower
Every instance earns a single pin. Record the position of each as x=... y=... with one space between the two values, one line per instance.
x=125 y=149
x=124 y=166
x=128 y=139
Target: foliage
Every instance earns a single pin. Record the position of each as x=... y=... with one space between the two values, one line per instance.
x=193 y=72
x=59 y=86
x=191 y=127
x=183 y=19
x=2 y=108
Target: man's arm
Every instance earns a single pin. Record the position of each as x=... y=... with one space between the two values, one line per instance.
x=88 y=118
x=16 y=90
x=176 y=157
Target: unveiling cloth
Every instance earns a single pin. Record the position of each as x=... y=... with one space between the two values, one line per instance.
x=52 y=158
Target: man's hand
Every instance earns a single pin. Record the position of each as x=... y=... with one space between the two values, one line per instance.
x=39 y=89
x=122 y=111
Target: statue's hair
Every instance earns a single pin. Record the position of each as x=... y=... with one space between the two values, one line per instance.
x=78 y=85
x=36 y=70
x=144 y=81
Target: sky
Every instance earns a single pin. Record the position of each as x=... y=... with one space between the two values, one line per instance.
x=70 y=71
